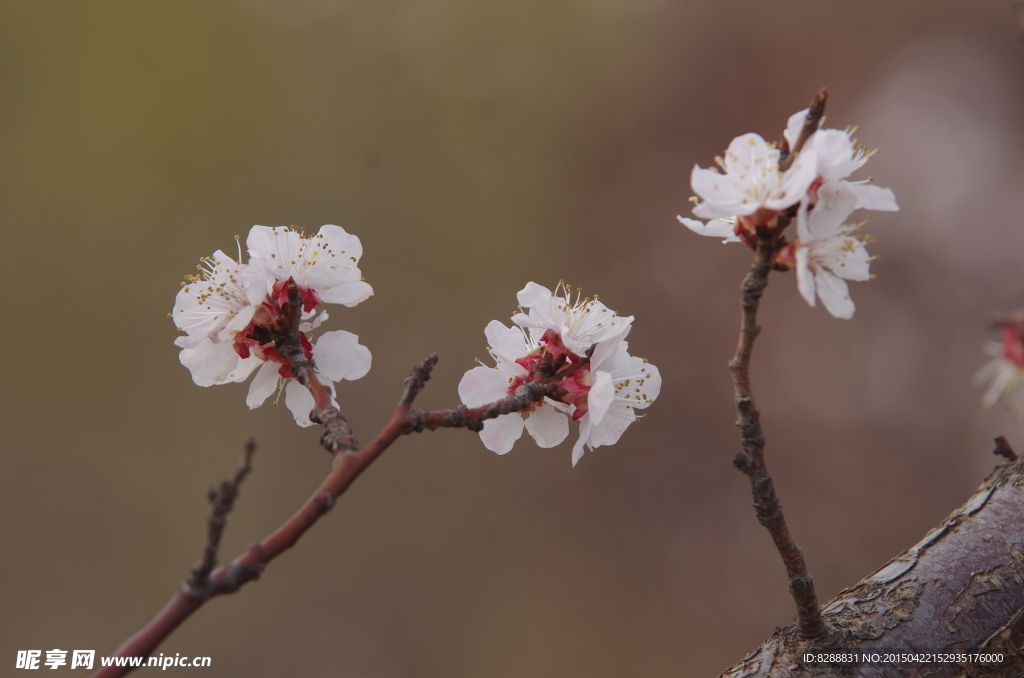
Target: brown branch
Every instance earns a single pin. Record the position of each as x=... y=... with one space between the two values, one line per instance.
x=222 y=500
x=347 y=466
x=751 y=460
x=959 y=590
x=337 y=434
x=473 y=418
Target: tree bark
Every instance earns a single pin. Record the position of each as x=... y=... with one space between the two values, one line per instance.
x=960 y=589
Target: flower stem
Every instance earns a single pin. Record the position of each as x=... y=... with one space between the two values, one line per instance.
x=751 y=460
x=337 y=435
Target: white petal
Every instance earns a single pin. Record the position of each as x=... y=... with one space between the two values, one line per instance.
x=271 y=247
x=651 y=388
x=722 y=194
x=263 y=385
x=835 y=153
x=584 y=439
x=835 y=204
x=534 y=295
x=237 y=324
x=547 y=425
x=539 y=300
x=873 y=197
x=803 y=230
x=718 y=228
x=614 y=424
x=615 y=361
x=601 y=395
x=499 y=435
x=243 y=369
x=483 y=385
x=745 y=152
x=346 y=294
x=834 y=294
x=342 y=242
x=310 y=326
x=209 y=363
x=509 y=342
x=794 y=127
x=795 y=182
x=300 y=401
x=804 y=276
x=190 y=341
x=339 y=355
x=256 y=283
x=854 y=262
x=609 y=347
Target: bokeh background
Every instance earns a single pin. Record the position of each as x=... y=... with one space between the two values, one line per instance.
x=475 y=146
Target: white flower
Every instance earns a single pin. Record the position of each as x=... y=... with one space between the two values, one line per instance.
x=752 y=181
x=326 y=263
x=213 y=307
x=837 y=155
x=1004 y=374
x=556 y=336
x=219 y=302
x=621 y=383
x=510 y=346
x=576 y=325
x=826 y=254
x=337 y=355
x=233 y=313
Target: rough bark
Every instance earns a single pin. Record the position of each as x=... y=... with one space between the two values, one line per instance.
x=960 y=589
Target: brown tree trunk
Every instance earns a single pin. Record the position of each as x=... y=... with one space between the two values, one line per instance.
x=960 y=589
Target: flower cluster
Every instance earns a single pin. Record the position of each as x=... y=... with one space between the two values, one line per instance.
x=753 y=192
x=233 y=312
x=578 y=345
x=1003 y=376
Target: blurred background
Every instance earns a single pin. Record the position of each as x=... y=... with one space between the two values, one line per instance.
x=474 y=147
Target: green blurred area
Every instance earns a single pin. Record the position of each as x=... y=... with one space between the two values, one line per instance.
x=474 y=147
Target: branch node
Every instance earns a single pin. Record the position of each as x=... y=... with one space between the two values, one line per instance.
x=414 y=382
x=1003 y=449
x=221 y=500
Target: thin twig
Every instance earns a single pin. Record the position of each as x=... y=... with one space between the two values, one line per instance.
x=814 y=113
x=345 y=469
x=222 y=500
x=1003 y=449
x=474 y=418
x=751 y=460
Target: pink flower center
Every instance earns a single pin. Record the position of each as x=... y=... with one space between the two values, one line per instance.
x=547 y=360
x=270 y=321
x=1013 y=344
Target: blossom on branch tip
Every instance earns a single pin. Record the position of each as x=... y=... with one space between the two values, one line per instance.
x=1003 y=376
x=235 y=314
x=748 y=188
x=578 y=346
x=751 y=190
x=837 y=155
x=758 y=195
x=325 y=265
